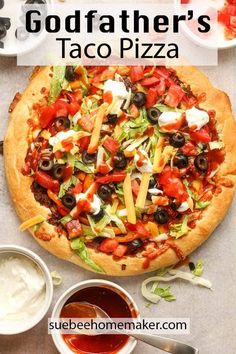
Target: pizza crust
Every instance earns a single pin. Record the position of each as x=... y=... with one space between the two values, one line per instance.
x=15 y=148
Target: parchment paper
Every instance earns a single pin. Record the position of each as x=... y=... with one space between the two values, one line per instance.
x=212 y=313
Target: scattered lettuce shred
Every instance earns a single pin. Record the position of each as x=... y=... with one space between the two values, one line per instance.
x=57 y=83
x=66 y=185
x=80 y=248
x=165 y=293
x=84 y=168
x=153 y=295
x=178 y=230
x=56 y=278
x=198 y=268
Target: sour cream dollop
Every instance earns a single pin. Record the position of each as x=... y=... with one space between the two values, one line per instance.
x=196 y=118
x=146 y=166
x=22 y=288
x=119 y=94
x=169 y=119
x=59 y=137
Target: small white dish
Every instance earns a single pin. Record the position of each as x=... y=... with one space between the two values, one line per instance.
x=12 y=47
x=56 y=335
x=217 y=39
x=18 y=326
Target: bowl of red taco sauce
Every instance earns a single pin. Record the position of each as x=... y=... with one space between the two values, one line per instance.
x=111 y=298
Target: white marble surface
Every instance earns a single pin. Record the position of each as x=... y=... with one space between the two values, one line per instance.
x=212 y=313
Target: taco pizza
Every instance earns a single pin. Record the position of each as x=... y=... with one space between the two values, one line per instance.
x=121 y=170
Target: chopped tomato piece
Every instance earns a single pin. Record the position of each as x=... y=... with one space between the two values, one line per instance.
x=174 y=95
x=162 y=72
x=152 y=96
x=74 y=228
x=120 y=251
x=111 y=144
x=136 y=73
x=134 y=111
x=84 y=143
x=47 y=116
x=107 y=97
x=47 y=181
x=86 y=123
x=104 y=168
x=150 y=81
x=108 y=245
x=201 y=135
x=67 y=172
x=77 y=189
x=115 y=177
x=135 y=187
x=139 y=228
x=172 y=184
x=189 y=149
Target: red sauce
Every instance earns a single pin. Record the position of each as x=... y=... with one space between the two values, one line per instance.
x=114 y=305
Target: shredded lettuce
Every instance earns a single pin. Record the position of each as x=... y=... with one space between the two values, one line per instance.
x=66 y=185
x=56 y=83
x=165 y=293
x=82 y=167
x=66 y=219
x=198 y=268
x=153 y=297
x=107 y=232
x=178 y=230
x=199 y=203
x=164 y=108
x=202 y=204
x=216 y=145
x=82 y=251
x=56 y=278
x=100 y=225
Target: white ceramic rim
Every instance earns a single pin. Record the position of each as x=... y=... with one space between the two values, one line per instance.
x=28 y=324
x=56 y=336
x=227 y=43
x=11 y=54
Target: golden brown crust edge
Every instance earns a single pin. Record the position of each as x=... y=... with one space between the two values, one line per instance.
x=26 y=206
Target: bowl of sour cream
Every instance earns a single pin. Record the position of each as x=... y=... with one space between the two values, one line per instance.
x=26 y=289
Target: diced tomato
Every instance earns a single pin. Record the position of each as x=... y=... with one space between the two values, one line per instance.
x=172 y=184
x=174 y=95
x=150 y=81
x=134 y=111
x=74 y=228
x=115 y=177
x=86 y=123
x=184 y=1
x=111 y=144
x=84 y=143
x=78 y=188
x=47 y=181
x=189 y=149
x=135 y=187
x=107 y=97
x=162 y=72
x=67 y=144
x=152 y=96
x=139 y=228
x=47 y=116
x=108 y=245
x=61 y=108
x=104 y=168
x=120 y=251
x=67 y=172
x=60 y=207
x=202 y=135
x=136 y=73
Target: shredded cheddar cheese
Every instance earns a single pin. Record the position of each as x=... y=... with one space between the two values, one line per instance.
x=31 y=222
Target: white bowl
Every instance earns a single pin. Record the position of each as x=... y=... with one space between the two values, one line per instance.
x=218 y=40
x=11 y=49
x=57 y=338
x=35 y=319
